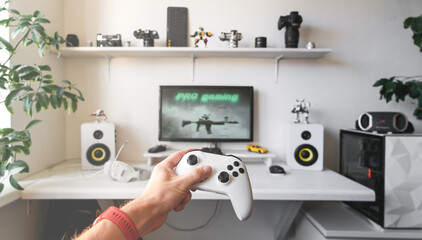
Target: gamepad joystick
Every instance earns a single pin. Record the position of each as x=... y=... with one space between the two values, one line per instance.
x=228 y=177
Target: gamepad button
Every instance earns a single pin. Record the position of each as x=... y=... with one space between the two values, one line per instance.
x=192 y=160
x=235 y=174
x=223 y=177
x=230 y=167
x=236 y=163
x=241 y=170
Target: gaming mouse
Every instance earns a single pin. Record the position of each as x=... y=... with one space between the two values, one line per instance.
x=276 y=169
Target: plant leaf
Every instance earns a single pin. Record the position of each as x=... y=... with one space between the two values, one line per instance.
x=6 y=131
x=15 y=11
x=43 y=100
x=44 y=68
x=43 y=20
x=5 y=44
x=15 y=183
x=10 y=98
x=6 y=155
x=20 y=149
x=32 y=123
x=20 y=165
x=67 y=82
x=74 y=104
x=53 y=101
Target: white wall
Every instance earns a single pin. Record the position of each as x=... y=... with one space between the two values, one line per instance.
x=367 y=38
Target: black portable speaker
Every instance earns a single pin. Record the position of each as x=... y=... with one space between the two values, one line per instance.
x=177 y=27
x=383 y=122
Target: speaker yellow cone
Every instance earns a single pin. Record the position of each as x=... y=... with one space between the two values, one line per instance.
x=309 y=158
x=98 y=158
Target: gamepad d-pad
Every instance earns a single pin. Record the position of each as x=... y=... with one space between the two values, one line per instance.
x=229 y=177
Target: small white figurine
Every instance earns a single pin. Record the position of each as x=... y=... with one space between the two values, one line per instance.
x=301 y=107
x=97 y=114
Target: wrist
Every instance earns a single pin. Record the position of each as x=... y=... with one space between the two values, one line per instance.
x=143 y=212
x=122 y=220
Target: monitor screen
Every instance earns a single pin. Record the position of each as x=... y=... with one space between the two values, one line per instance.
x=206 y=113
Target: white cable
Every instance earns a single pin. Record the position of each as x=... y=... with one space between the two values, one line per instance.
x=121 y=148
x=213 y=216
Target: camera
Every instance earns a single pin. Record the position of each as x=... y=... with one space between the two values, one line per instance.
x=109 y=40
x=147 y=35
x=292 y=23
x=72 y=40
x=233 y=37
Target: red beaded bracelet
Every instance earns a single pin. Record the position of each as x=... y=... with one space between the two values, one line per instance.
x=122 y=220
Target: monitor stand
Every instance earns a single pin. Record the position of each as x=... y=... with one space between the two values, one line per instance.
x=213 y=149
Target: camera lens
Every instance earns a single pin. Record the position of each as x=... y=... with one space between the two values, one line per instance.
x=306 y=135
x=98 y=134
x=261 y=42
x=109 y=43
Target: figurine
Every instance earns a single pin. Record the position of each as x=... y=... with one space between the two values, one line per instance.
x=301 y=107
x=97 y=114
x=201 y=35
x=233 y=37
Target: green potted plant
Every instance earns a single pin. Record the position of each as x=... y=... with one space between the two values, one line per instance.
x=400 y=87
x=32 y=86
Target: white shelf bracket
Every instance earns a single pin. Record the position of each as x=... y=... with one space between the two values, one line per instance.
x=108 y=60
x=193 y=60
x=276 y=60
x=108 y=68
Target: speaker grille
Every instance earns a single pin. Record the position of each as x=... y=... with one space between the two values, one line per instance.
x=364 y=121
x=306 y=155
x=401 y=122
x=98 y=154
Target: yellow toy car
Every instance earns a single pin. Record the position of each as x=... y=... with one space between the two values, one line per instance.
x=256 y=148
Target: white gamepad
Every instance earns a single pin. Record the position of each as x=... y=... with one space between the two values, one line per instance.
x=229 y=177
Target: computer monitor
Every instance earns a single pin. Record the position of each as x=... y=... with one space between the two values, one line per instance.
x=206 y=113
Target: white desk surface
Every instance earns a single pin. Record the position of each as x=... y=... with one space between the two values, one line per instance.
x=68 y=181
x=338 y=221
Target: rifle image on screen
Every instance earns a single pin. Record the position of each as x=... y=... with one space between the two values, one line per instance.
x=205 y=120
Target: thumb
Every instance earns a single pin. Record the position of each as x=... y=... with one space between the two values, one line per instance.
x=195 y=176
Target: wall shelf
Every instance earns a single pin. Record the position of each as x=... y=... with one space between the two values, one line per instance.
x=162 y=52
x=189 y=52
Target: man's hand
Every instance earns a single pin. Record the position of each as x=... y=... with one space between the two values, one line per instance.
x=164 y=192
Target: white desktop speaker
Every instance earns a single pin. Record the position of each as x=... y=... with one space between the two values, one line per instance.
x=98 y=144
x=305 y=146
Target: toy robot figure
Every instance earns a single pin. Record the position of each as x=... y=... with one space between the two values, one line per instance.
x=201 y=35
x=301 y=107
x=97 y=114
